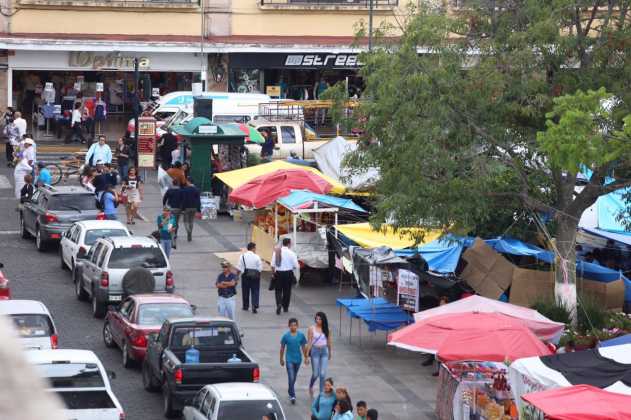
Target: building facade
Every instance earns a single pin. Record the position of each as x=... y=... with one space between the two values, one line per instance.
x=289 y=48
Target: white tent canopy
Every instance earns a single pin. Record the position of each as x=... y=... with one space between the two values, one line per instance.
x=330 y=156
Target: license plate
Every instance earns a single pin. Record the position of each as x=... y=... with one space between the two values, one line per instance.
x=116 y=298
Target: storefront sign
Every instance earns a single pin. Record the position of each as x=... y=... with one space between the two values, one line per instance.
x=407 y=290
x=294 y=60
x=146 y=142
x=112 y=60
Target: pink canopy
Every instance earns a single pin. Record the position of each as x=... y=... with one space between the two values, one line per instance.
x=543 y=327
x=581 y=402
x=472 y=336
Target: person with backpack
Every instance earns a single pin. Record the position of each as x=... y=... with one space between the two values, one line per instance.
x=109 y=203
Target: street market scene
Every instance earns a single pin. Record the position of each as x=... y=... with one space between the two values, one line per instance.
x=324 y=210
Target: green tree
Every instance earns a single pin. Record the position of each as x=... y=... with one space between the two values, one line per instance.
x=525 y=91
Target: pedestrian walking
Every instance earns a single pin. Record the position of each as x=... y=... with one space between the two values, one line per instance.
x=267 y=149
x=20 y=123
x=323 y=405
x=191 y=206
x=98 y=151
x=75 y=123
x=109 y=202
x=166 y=227
x=372 y=414
x=122 y=157
x=362 y=409
x=133 y=188
x=284 y=262
x=250 y=267
x=173 y=200
x=177 y=173
x=292 y=347
x=27 y=149
x=26 y=192
x=12 y=134
x=43 y=175
x=227 y=289
x=342 y=411
x=319 y=349
x=21 y=170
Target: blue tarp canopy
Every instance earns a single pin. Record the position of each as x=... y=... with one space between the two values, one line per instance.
x=623 y=339
x=442 y=255
x=302 y=199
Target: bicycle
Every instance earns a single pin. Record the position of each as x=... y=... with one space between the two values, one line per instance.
x=64 y=169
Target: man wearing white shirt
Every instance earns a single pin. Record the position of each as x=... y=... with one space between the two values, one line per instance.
x=250 y=267
x=75 y=122
x=99 y=151
x=20 y=123
x=284 y=262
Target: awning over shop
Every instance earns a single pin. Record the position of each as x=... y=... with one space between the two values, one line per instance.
x=238 y=177
x=582 y=402
x=364 y=235
x=301 y=199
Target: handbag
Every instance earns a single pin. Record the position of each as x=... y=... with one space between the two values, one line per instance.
x=272 y=282
x=249 y=273
x=122 y=198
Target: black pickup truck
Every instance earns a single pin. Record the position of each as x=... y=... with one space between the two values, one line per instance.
x=217 y=339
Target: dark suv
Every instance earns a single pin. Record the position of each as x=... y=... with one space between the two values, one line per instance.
x=52 y=210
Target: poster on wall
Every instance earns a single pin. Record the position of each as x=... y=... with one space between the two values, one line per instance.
x=408 y=290
x=146 y=142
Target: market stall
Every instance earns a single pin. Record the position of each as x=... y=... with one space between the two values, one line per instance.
x=474 y=390
x=376 y=313
x=607 y=368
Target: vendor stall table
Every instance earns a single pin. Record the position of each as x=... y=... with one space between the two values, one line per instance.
x=377 y=313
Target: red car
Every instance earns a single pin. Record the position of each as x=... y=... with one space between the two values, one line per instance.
x=128 y=325
x=5 y=290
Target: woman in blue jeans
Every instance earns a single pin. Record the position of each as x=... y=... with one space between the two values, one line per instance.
x=318 y=349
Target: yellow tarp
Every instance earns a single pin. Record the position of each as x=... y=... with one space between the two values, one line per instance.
x=364 y=235
x=234 y=179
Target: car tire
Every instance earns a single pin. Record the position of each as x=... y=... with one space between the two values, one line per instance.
x=149 y=382
x=23 y=231
x=80 y=292
x=169 y=412
x=128 y=362
x=98 y=308
x=40 y=244
x=108 y=338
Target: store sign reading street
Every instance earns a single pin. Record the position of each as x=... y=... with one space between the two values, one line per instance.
x=106 y=61
x=322 y=60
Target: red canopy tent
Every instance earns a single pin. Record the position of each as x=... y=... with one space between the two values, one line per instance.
x=581 y=402
x=470 y=336
x=266 y=189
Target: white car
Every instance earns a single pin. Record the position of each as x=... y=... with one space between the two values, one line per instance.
x=234 y=400
x=33 y=322
x=82 y=235
x=80 y=381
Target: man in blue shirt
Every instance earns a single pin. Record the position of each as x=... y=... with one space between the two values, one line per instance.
x=292 y=346
x=43 y=176
x=267 y=150
x=227 y=289
x=166 y=227
x=99 y=151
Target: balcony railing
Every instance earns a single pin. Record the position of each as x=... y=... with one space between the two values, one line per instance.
x=338 y=3
x=113 y=3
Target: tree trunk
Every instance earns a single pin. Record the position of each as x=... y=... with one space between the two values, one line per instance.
x=565 y=264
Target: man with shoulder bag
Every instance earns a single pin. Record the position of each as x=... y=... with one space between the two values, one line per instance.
x=284 y=262
x=250 y=267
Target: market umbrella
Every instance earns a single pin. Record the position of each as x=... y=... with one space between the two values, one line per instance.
x=252 y=135
x=581 y=402
x=543 y=327
x=472 y=336
x=266 y=189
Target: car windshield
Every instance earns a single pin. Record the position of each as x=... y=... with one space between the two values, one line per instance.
x=72 y=375
x=203 y=336
x=137 y=257
x=35 y=325
x=249 y=410
x=76 y=202
x=157 y=313
x=92 y=235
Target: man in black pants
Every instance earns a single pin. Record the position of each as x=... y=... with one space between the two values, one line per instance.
x=284 y=262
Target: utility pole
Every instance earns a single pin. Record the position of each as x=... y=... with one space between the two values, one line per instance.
x=203 y=75
x=370 y=13
x=136 y=107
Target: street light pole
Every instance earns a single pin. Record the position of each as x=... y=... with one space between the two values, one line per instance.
x=370 y=13
x=203 y=74
x=136 y=106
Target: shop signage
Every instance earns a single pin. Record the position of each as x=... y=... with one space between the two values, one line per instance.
x=407 y=290
x=146 y=142
x=207 y=129
x=322 y=60
x=112 y=60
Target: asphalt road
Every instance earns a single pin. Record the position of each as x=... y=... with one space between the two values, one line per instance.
x=36 y=275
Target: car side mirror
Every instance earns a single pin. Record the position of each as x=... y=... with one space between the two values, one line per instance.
x=111 y=374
